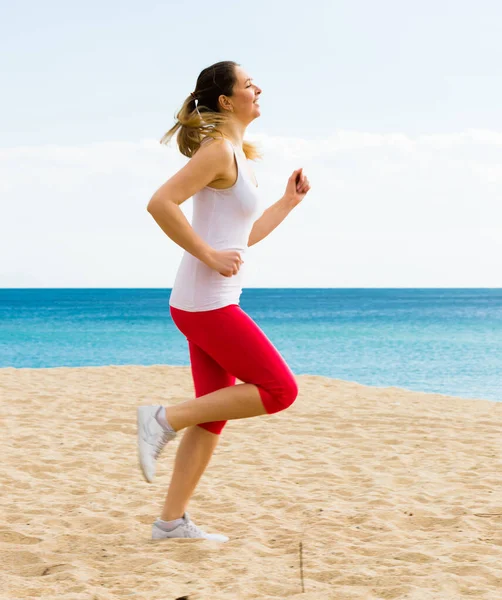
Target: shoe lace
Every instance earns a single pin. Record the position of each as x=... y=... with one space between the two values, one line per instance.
x=193 y=527
x=165 y=437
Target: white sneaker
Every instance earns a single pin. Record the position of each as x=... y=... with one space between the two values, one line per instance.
x=187 y=529
x=152 y=438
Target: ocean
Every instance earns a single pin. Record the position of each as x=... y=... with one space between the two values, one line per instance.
x=447 y=341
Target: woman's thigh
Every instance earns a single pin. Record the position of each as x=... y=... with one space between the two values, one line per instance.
x=208 y=376
x=236 y=342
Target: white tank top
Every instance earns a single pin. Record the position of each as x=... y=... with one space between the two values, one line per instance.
x=224 y=219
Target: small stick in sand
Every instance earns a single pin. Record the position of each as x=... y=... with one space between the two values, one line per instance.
x=301 y=565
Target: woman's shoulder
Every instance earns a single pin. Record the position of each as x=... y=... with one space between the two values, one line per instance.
x=216 y=148
x=209 y=139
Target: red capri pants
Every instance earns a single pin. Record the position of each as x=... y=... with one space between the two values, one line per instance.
x=225 y=344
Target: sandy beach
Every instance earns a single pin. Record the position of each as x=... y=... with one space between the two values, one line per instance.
x=354 y=492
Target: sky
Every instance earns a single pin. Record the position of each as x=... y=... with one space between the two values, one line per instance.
x=392 y=108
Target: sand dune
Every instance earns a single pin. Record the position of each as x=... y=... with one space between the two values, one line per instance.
x=392 y=494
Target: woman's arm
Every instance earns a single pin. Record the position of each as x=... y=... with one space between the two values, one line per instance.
x=297 y=187
x=270 y=219
x=207 y=164
x=171 y=219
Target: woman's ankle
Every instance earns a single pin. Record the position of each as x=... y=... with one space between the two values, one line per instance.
x=171 y=516
x=172 y=420
x=163 y=420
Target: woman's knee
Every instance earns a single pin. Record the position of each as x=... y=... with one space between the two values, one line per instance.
x=284 y=396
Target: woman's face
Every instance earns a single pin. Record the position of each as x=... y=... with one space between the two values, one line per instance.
x=245 y=96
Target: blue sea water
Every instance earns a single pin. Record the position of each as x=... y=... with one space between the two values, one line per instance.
x=434 y=340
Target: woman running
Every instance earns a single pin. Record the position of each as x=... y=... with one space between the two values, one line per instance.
x=224 y=343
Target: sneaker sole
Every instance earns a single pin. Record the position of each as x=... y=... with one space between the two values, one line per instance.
x=139 y=425
x=215 y=537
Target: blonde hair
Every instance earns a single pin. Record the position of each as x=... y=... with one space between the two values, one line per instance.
x=198 y=121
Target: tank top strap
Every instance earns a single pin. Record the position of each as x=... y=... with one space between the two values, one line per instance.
x=206 y=141
x=242 y=168
x=232 y=146
x=241 y=165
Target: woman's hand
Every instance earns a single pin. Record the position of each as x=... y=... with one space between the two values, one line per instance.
x=226 y=262
x=296 y=190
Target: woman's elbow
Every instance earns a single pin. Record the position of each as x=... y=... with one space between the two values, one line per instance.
x=151 y=207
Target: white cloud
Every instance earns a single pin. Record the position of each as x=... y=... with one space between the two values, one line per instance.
x=384 y=210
